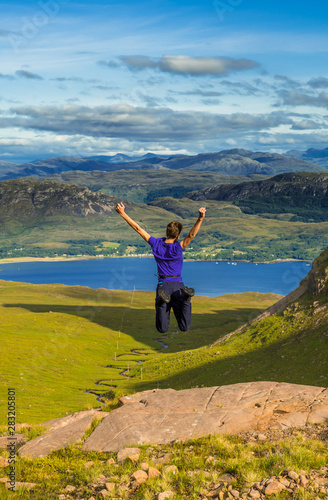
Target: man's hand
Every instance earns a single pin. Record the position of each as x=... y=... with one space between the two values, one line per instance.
x=120 y=208
x=201 y=212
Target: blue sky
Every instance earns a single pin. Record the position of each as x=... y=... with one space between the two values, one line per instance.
x=81 y=79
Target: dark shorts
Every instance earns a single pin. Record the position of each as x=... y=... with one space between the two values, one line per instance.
x=181 y=307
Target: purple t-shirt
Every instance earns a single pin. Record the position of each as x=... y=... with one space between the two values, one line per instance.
x=168 y=256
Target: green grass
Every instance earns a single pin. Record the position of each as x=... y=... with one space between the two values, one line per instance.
x=58 y=341
x=246 y=461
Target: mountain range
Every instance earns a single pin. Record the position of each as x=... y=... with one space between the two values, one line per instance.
x=229 y=162
x=317 y=156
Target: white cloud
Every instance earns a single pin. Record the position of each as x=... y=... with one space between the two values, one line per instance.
x=187 y=65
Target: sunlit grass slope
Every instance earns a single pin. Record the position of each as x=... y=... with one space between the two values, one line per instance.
x=288 y=346
x=58 y=341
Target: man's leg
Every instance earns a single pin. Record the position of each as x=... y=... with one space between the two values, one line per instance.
x=182 y=307
x=162 y=311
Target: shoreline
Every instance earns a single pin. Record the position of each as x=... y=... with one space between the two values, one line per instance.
x=15 y=260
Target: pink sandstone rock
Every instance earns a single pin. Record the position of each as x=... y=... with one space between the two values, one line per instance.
x=163 y=416
x=61 y=433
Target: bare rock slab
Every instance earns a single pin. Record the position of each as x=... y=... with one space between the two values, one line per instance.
x=18 y=439
x=61 y=433
x=163 y=416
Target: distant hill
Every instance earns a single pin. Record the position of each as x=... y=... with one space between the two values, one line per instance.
x=303 y=194
x=43 y=218
x=4 y=165
x=230 y=162
x=122 y=158
x=26 y=200
x=54 y=166
x=317 y=156
x=148 y=184
x=234 y=162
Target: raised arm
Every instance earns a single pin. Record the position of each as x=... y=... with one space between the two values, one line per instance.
x=192 y=233
x=120 y=209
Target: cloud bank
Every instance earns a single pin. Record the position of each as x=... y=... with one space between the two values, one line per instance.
x=137 y=123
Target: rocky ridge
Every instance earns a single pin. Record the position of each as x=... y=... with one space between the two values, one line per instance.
x=304 y=194
x=26 y=199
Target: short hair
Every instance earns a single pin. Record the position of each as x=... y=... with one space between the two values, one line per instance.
x=173 y=229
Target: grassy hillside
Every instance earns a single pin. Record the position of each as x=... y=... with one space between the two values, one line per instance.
x=58 y=341
x=286 y=346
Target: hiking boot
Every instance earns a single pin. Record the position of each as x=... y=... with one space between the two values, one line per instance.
x=189 y=292
x=164 y=296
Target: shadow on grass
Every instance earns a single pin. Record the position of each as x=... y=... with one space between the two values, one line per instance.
x=140 y=323
x=297 y=359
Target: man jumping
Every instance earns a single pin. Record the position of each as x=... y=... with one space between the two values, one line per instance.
x=168 y=253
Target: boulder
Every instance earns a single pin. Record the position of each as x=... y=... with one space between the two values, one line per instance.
x=60 y=434
x=18 y=439
x=164 y=416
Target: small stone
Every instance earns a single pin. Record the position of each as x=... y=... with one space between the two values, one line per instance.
x=273 y=487
x=164 y=495
x=110 y=486
x=131 y=453
x=254 y=494
x=69 y=488
x=110 y=461
x=62 y=497
x=140 y=476
x=3 y=462
x=303 y=481
x=104 y=494
x=261 y=437
x=88 y=464
x=293 y=475
x=210 y=459
x=153 y=472
x=171 y=469
x=144 y=466
x=92 y=498
x=101 y=477
x=215 y=493
x=235 y=493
